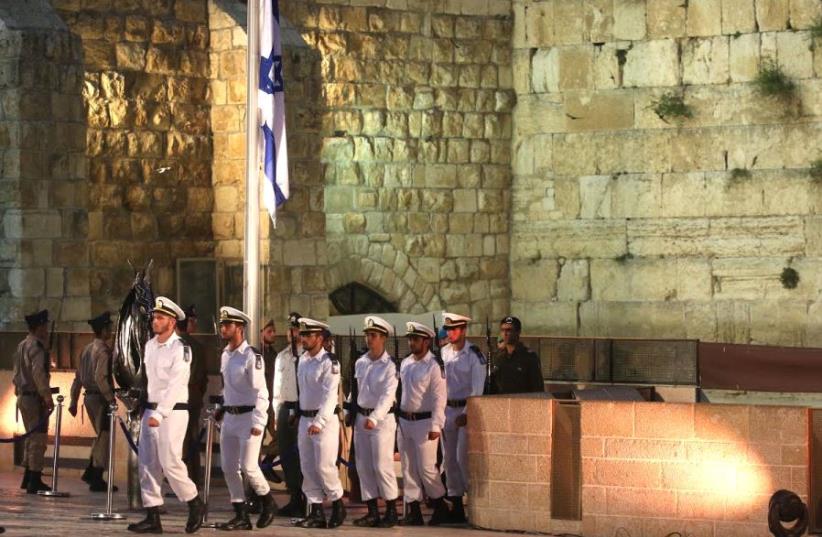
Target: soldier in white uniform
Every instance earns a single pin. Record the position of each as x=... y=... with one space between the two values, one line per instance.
x=285 y=405
x=465 y=373
x=244 y=414
x=318 y=377
x=167 y=363
x=422 y=417
x=375 y=425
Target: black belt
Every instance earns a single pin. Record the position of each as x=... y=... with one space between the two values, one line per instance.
x=236 y=410
x=414 y=416
x=153 y=406
x=312 y=413
x=368 y=411
x=291 y=405
x=457 y=403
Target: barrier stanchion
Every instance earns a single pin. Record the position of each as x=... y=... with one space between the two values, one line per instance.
x=209 y=454
x=58 y=419
x=109 y=515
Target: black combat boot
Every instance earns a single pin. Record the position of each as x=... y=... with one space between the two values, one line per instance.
x=294 y=508
x=252 y=504
x=457 y=511
x=371 y=518
x=316 y=517
x=269 y=508
x=35 y=485
x=95 y=480
x=150 y=524
x=390 y=518
x=196 y=510
x=25 y=483
x=240 y=520
x=414 y=516
x=88 y=473
x=441 y=514
x=337 y=514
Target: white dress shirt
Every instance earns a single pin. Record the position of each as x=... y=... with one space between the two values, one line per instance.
x=319 y=380
x=244 y=381
x=284 y=385
x=464 y=371
x=167 y=370
x=423 y=388
x=376 y=385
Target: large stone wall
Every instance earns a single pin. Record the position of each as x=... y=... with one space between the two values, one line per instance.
x=43 y=168
x=148 y=142
x=625 y=223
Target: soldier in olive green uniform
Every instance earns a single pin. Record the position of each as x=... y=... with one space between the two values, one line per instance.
x=94 y=376
x=31 y=385
x=197 y=387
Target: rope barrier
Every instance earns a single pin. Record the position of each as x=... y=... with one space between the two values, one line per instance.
x=35 y=429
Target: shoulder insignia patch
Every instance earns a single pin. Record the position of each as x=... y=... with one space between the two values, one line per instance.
x=335 y=364
x=258 y=361
x=186 y=353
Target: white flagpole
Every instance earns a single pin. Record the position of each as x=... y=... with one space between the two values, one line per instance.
x=251 y=261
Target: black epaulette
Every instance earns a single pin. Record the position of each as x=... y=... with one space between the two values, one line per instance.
x=335 y=363
x=186 y=353
x=479 y=354
x=438 y=359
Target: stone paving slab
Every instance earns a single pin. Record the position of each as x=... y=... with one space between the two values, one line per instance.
x=29 y=515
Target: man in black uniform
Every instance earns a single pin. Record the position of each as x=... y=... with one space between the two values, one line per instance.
x=517 y=368
x=197 y=387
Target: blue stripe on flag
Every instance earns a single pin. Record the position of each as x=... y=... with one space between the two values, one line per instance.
x=270 y=164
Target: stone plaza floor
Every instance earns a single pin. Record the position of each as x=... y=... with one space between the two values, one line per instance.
x=30 y=515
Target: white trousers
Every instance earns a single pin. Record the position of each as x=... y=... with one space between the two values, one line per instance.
x=419 y=461
x=240 y=456
x=455 y=453
x=161 y=453
x=318 y=461
x=374 y=453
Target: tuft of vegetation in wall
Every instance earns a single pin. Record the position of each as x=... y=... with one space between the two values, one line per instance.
x=672 y=106
x=789 y=278
x=771 y=81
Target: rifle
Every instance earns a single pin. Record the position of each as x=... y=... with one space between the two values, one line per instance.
x=488 y=366
x=397 y=364
x=216 y=327
x=435 y=345
x=353 y=408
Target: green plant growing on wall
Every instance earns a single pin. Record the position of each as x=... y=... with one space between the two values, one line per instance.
x=789 y=278
x=816 y=28
x=771 y=81
x=816 y=170
x=672 y=105
x=740 y=174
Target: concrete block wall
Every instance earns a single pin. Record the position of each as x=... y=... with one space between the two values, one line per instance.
x=625 y=223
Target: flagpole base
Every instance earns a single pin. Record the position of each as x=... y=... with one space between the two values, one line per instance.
x=53 y=494
x=107 y=516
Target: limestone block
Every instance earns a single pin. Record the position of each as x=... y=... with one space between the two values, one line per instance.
x=744 y=57
x=545 y=75
x=576 y=67
x=548 y=318
x=534 y=24
x=573 y=283
x=666 y=18
x=632 y=319
x=779 y=322
x=606 y=71
x=738 y=16
x=534 y=281
x=650 y=279
x=598 y=111
x=704 y=17
x=724 y=237
x=536 y=114
x=795 y=54
x=572 y=239
x=706 y=61
x=28 y=282
x=804 y=13
x=629 y=20
x=598 y=24
x=652 y=63
x=748 y=278
x=568 y=21
x=465 y=201
x=772 y=15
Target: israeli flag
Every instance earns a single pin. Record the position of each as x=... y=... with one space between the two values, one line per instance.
x=271 y=103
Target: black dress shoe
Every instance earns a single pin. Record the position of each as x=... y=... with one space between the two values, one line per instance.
x=268 y=510
x=196 y=510
x=389 y=520
x=337 y=514
x=240 y=520
x=371 y=518
x=413 y=517
x=316 y=518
